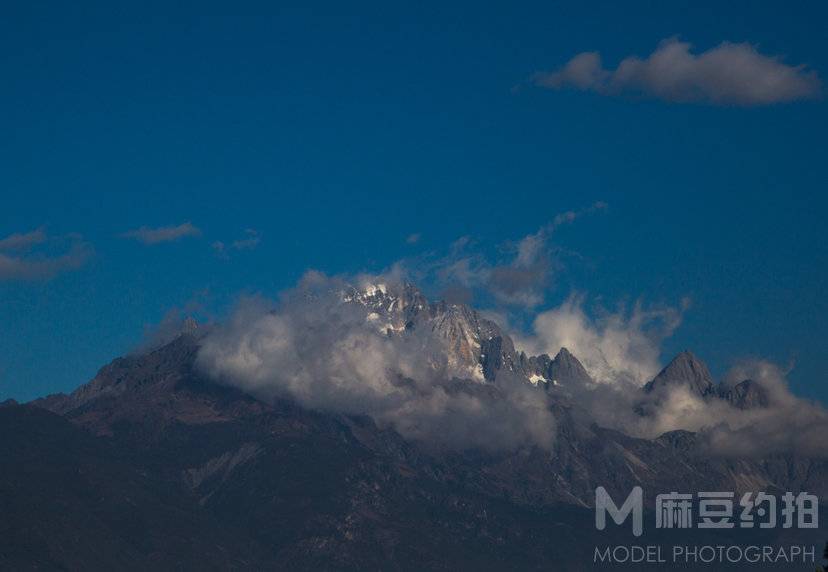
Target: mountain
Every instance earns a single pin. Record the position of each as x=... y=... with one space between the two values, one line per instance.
x=154 y=465
x=73 y=501
x=746 y=394
x=477 y=348
x=566 y=369
x=685 y=370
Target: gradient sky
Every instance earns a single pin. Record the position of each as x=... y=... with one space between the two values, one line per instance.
x=332 y=133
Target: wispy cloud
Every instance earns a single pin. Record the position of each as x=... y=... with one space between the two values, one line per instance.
x=521 y=279
x=161 y=234
x=249 y=241
x=729 y=74
x=191 y=316
x=23 y=241
x=37 y=256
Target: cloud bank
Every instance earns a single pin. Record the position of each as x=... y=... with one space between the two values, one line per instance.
x=327 y=355
x=620 y=346
x=786 y=425
x=621 y=350
x=729 y=74
x=312 y=348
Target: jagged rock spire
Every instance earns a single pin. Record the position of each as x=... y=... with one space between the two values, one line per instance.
x=566 y=369
x=685 y=369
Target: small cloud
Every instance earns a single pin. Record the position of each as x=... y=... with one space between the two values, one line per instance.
x=456 y=294
x=20 y=260
x=522 y=282
x=522 y=279
x=219 y=248
x=729 y=74
x=175 y=322
x=413 y=238
x=520 y=286
x=161 y=234
x=249 y=242
x=23 y=241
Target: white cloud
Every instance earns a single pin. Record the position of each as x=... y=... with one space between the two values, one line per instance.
x=729 y=74
x=615 y=346
x=326 y=354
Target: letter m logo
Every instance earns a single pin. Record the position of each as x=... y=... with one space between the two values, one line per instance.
x=634 y=504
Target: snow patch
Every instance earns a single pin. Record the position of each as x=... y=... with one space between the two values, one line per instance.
x=375 y=289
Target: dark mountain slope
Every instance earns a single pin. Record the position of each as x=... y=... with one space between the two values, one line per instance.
x=74 y=501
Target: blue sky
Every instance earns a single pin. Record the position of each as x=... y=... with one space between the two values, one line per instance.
x=335 y=132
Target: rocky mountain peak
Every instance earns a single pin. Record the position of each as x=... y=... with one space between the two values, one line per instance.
x=189 y=325
x=565 y=354
x=566 y=369
x=746 y=394
x=392 y=305
x=474 y=347
x=685 y=369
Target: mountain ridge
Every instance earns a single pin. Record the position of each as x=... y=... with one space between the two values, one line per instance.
x=316 y=488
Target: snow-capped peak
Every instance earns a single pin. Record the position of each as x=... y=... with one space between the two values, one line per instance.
x=467 y=345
